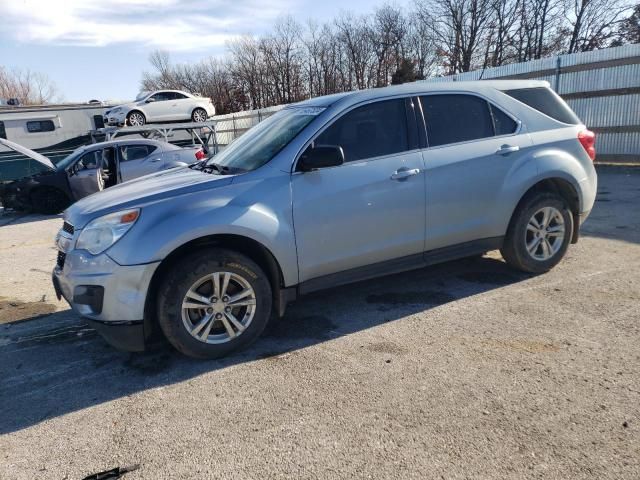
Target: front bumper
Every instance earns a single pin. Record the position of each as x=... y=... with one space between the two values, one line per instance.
x=118 y=314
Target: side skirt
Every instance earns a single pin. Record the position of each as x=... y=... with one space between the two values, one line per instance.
x=402 y=264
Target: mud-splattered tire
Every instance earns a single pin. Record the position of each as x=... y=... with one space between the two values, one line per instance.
x=205 y=321
x=539 y=233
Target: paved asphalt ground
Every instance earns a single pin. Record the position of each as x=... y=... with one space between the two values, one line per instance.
x=464 y=370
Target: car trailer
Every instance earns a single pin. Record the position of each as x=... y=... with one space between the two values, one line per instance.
x=203 y=133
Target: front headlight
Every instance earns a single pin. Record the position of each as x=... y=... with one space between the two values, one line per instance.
x=104 y=231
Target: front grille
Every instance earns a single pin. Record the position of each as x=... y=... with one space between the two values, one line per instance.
x=61 y=258
x=67 y=227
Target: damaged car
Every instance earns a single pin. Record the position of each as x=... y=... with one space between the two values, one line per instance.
x=90 y=169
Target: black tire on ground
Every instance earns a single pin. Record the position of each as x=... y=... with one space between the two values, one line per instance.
x=188 y=272
x=514 y=250
x=199 y=115
x=139 y=119
x=49 y=200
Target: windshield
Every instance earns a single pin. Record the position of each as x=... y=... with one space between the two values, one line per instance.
x=262 y=142
x=69 y=159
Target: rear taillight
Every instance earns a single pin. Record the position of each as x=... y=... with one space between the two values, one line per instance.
x=588 y=141
x=200 y=155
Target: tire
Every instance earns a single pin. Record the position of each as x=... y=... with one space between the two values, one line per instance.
x=136 y=119
x=199 y=115
x=178 y=313
x=533 y=246
x=49 y=200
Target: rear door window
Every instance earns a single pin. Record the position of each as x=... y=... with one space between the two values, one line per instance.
x=546 y=101
x=369 y=131
x=453 y=118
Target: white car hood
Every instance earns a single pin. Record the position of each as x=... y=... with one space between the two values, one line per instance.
x=29 y=153
x=129 y=105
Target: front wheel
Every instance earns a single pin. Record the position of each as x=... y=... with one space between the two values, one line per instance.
x=214 y=302
x=136 y=119
x=539 y=233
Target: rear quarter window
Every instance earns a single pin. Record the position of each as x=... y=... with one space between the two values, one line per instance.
x=503 y=123
x=545 y=101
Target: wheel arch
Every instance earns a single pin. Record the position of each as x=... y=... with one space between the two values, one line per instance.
x=561 y=186
x=249 y=247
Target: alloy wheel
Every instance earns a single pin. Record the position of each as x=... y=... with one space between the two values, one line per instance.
x=136 y=119
x=199 y=115
x=545 y=233
x=218 y=307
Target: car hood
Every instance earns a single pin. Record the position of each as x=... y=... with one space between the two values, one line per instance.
x=127 y=106
x=29 y=153
x=143 y=191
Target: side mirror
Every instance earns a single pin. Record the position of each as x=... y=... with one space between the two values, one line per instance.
x=150 y=100
x=321 y=156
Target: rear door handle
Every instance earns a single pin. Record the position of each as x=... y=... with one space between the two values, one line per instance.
x=507 y=149
x=404 y=173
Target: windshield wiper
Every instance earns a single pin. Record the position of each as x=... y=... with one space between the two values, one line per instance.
x=212 y=167
x=221 y=169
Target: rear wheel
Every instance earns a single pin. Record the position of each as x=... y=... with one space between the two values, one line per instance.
x=49 y=200
x=214 y=302
x=539 y=234
x=136 y=119
x=199 y=115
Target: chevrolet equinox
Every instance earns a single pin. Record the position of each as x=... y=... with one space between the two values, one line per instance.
x=326 y=192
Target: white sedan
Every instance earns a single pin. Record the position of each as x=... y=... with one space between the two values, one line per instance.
x=161 y=106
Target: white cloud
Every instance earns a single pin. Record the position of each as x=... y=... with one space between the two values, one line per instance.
x=169 y=24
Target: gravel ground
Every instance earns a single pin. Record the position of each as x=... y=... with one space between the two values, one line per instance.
x=464 y=370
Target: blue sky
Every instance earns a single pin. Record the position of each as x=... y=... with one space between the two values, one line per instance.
x=99 y=48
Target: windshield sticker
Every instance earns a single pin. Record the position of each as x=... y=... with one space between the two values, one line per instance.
x=308 y=110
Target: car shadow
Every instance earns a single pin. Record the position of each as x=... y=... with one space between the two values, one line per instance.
x=57 y=364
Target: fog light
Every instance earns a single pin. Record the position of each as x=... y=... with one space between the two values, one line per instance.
x=88 y=298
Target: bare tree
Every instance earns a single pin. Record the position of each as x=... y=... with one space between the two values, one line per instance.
x=354 y=33
x=629 y=29
x=460 y=28
x=29 y=87
x=391 y=45
x=593 y=23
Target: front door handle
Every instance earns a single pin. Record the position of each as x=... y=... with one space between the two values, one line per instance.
x=404 y=173
x=507 y=149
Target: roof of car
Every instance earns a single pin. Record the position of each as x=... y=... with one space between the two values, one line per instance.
x=423 y=87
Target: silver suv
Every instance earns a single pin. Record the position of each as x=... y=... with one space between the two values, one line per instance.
x=327 y=192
